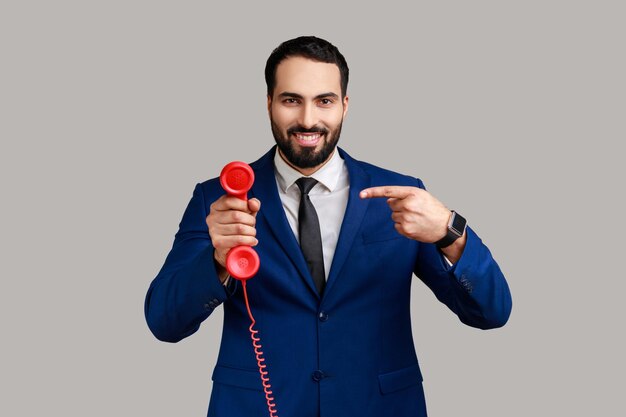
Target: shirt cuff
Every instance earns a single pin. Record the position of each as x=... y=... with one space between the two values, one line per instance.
x=227 y=281
x=230 y=285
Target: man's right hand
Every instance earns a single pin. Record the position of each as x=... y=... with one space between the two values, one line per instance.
x=231 y=223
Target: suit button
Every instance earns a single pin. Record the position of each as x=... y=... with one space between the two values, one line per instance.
x=323 y=316
x=318 y=376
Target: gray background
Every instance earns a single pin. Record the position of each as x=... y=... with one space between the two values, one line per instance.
x=111 y=112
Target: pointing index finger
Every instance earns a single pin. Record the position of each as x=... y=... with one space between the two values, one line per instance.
x=388 y=191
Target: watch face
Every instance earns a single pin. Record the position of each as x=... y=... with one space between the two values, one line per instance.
x=458 y=224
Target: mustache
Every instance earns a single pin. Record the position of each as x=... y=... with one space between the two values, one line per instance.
x=300 y=129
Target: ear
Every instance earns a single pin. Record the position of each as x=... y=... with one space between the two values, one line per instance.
x=269 y=102
x=345 y=105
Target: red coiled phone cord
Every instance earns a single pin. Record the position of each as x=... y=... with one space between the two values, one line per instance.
x=256 y=343
x=242 y=263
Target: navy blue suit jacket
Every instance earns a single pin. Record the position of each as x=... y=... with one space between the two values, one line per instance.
x=349 y=353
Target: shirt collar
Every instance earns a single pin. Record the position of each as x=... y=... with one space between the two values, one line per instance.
x=328 y=175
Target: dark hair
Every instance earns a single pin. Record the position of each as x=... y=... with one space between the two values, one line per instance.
x=309 y=47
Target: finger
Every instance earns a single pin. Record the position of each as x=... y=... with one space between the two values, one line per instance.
x=235 y=230
x=396 y=204
x=236 y=217
x=389 y=191
x=254 y=205
x=227 y=202
x=229 y=242
x=400 y=229
x=412 y=204
x=398 y=217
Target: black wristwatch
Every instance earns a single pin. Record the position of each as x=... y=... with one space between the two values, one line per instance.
x=456 y=228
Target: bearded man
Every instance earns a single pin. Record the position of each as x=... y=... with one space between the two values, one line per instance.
x=339 y=242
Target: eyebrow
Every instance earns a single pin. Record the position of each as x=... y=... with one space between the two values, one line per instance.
x=317 y=97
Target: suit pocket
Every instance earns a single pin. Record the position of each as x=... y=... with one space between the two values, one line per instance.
x=241 y=378
x=400 y=379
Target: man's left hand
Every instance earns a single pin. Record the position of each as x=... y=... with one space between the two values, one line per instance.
x=418 y=215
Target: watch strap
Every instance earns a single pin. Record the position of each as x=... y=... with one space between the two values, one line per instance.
x=456 y=228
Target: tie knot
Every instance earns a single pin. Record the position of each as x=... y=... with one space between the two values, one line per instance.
x=305 y=184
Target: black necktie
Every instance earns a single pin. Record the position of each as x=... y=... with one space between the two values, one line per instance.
x=310 y=236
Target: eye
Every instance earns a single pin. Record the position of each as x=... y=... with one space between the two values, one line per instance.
x=326 y=102
x=290 y=101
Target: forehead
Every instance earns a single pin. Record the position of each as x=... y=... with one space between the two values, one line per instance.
x=307 y=77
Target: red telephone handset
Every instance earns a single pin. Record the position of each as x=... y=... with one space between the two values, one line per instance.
x=242 y=263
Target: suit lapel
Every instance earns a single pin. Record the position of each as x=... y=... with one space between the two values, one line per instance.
x=352 y=219
x=265 y=189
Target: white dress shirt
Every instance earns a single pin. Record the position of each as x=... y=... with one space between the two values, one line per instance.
x=329 y=197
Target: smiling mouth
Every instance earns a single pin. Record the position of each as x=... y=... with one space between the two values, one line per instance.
x=308 y=139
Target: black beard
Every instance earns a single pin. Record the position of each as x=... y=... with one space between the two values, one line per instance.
x=306 y=157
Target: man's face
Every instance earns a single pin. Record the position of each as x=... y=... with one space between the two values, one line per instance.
x=306 y=112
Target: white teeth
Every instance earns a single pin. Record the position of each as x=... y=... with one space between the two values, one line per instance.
x=308 y=138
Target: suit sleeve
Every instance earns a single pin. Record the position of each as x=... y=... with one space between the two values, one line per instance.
x=474 y=288
x=187 y=289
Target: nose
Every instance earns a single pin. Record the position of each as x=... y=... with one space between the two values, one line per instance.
x=307 y=116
